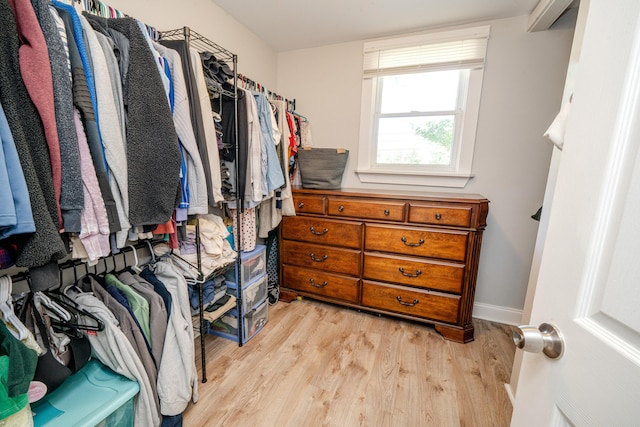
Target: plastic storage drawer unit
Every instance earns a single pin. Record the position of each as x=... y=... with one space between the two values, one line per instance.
x=253 y=264
x=94 y=395
x=253 y=322
x=253 y=293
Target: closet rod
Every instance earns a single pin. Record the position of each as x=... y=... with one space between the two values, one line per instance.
x=76 y=263
x=253 y=85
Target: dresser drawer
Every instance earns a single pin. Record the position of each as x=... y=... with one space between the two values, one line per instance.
x=427 y=242
x=440 y=215
x=320 y=283
x=347 y=234
x=309 y=204
x=366 y=209
x=442 y=276
x=323 y=258
x=412 y=302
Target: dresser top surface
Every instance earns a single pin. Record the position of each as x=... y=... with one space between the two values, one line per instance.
x=392 y=194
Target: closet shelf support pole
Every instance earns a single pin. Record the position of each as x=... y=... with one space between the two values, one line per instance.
x=201 y=302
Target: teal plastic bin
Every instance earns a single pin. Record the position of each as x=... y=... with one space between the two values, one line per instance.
x=93 y=396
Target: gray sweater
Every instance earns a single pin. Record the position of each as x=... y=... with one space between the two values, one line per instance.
x=71 y=197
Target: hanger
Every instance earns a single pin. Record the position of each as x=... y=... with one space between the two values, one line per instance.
x=135 y=267
x=71 y=306
x=300 y=116
x=8 y=315
x=188 y=268
x=153 y=255
x=51 y=306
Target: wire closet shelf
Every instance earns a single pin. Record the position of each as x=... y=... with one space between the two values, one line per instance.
x=202 y=44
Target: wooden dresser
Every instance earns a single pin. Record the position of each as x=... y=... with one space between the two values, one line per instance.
x=411 y=256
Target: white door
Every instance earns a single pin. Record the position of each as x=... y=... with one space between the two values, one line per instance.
x=589 y=281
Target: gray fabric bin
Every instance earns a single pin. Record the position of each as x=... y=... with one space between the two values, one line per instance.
x=322 y=168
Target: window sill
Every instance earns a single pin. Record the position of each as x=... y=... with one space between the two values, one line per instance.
x=427 y=179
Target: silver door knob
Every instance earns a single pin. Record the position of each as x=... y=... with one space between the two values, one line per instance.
x=546 y=339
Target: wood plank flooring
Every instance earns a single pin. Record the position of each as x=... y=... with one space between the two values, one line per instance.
x=315 y=364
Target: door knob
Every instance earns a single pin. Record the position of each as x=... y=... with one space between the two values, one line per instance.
x=546 y=339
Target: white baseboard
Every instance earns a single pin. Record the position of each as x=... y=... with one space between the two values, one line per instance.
x=494 y=313
x=512 y=398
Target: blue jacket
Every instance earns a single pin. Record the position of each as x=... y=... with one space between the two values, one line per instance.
x=15 y=210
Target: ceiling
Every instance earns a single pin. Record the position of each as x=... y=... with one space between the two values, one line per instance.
x=294 y=24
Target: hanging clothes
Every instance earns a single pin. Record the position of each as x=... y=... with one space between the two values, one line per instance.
x=151 y=135
x=15 y=211
x=208 y=126
x=195 y=110
x=28 y=134
x=138 y=304
x=198 y=203
x=272 y=177
x=127 y=325
x=113 y=349
x=110 y=130
x=36 y=75
x=178 y=379
x=231 y=123
x=158 y=317
x=94 y=237
x=71 y=195
x=84 y=98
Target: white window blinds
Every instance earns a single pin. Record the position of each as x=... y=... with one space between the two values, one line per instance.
x=465 y=48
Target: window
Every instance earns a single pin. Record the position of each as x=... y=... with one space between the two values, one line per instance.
x=420 y=102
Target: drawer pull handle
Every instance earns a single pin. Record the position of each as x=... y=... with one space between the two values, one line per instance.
x=407 y=304
x=318 y=233
x=340 y=208
x=418 y=272
x=386 y=212
x=313 y=258
x=420 y=242
x=300 y=205
x=321 y=285
x=438 y=216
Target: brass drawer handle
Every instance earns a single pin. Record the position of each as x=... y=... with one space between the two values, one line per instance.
x=407 y=304
x=438 y=216
x=340 y=208
x=418 y=272
x=319 y=286
x=386 y=212
x=313 y=258
x=318 y=233
x=420 y=242
x=300 y=205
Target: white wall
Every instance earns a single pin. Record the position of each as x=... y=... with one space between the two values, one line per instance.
x=522 y=90
x=256 y=59
x=521 y=94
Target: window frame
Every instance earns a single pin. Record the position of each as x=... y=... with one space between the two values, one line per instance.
x=460 y=171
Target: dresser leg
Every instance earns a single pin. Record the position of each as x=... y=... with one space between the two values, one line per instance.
x=462 y=334
x=287 y=296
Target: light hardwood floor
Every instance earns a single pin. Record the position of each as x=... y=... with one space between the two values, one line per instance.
x=315 y=364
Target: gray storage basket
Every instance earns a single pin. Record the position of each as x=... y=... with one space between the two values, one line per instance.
x=322 y=168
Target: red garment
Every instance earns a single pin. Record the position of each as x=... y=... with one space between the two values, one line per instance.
x=36 y=74
x=169 y=228
x=293 y=145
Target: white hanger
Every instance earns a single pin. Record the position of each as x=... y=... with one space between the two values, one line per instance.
x=8 y=314
x=52 y=306
x=153 y=255
x=136 y=267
